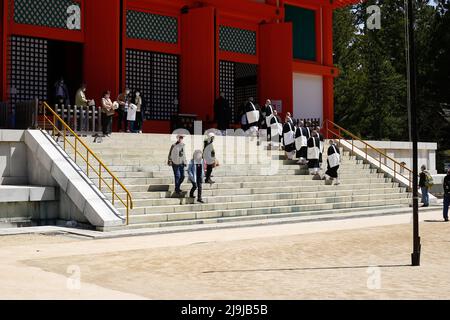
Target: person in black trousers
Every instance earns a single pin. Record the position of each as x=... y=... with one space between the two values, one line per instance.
x=424 y=187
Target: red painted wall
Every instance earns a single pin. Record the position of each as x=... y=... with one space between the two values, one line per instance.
x=101 y=48
x=275 y=67
x=328 y=81
x=198 y=62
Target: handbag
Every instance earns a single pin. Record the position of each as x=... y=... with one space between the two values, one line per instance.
x=334 y=159
x=314 y=152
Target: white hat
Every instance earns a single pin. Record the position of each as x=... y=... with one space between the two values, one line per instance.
x=211 y=134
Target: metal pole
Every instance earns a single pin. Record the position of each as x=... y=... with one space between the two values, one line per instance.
x=412 y=102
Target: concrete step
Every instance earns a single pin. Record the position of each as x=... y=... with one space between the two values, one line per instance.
x=376 y=193
x=168 y=179
x=169 y=187
x=266 y=212
x=263 y=220
x=344 y=190
x=227 y=187
x=334 y=202
x=238 y=168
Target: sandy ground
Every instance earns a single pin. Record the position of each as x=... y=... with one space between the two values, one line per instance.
x=359 y=259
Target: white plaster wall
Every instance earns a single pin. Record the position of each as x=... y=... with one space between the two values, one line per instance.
x=402 y=152
x=13 y=160
x=308 y=96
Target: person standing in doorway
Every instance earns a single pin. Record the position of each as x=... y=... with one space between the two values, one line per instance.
x=222 y=113
x=80 y=97
x=139 y=112
x=177 y=160
x=61 y=93
x=82 y=103
x=446 y=194
x=131 y=117
x=123 y=99
x=107 y=114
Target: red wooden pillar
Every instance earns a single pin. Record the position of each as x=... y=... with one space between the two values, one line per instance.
x=275 y=67
x=198 y=62
x=328 y=80
x=102 y=47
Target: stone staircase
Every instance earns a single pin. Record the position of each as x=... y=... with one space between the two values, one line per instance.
x=252 y=184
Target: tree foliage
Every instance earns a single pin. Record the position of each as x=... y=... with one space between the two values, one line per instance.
x=371 y=91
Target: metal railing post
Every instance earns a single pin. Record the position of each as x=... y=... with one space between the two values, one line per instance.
x=87 y=163
x=113 y=190
x=75 y=118
x=54 y=124
x=76 y=149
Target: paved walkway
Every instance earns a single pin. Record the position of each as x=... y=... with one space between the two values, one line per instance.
x=358 y=258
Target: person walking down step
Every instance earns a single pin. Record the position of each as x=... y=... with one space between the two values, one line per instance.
x=209 y=155
x=446 y=194
x=177 y=160
x=196 y=174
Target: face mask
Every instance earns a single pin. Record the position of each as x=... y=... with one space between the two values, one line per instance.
x=137 y=94
x=127 y=92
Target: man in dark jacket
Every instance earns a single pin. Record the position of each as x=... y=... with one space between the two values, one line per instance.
x=424 y=187
x=446 y=194
x=222 y=113
x=61 y=93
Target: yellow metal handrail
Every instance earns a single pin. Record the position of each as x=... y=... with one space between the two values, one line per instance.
x=336 y=130
x=87 y=157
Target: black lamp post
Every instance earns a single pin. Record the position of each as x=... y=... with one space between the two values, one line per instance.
x=412 y=108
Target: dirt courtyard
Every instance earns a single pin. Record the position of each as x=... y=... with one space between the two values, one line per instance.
x=363 y=262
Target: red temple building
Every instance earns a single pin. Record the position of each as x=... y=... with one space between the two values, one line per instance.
x=178 y=53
